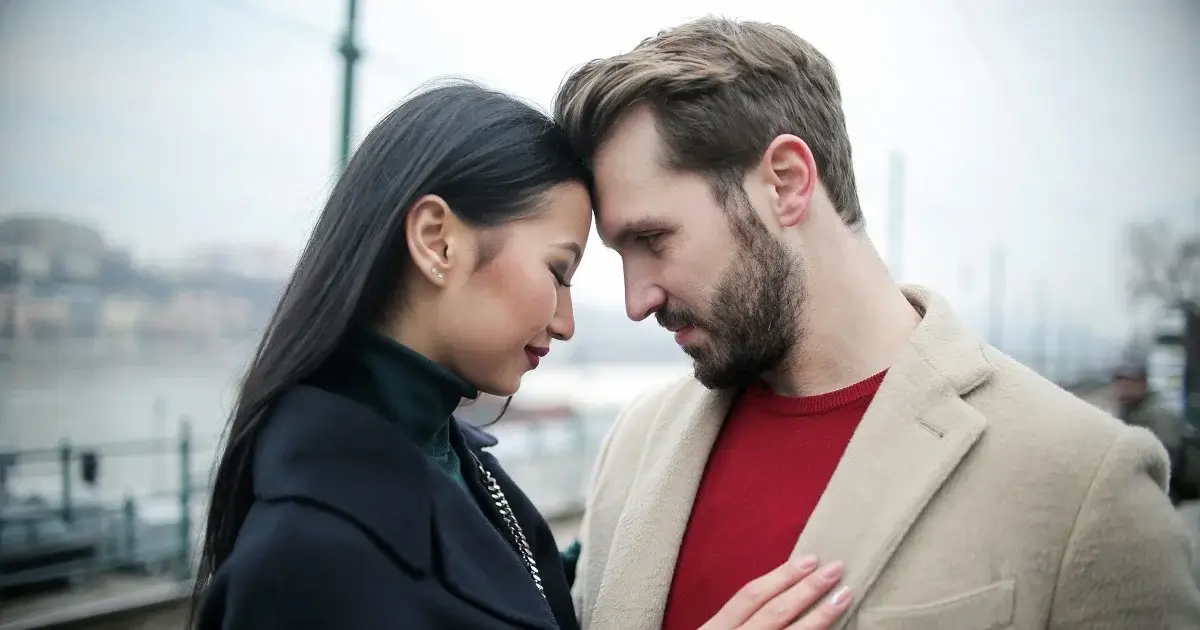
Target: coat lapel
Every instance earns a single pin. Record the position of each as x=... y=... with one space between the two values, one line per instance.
x=324 y=449
x=633 y=592
x=480 y=566
x=479 y=561
x=913 y=436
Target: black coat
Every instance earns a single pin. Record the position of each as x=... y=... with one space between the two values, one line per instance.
x=354 y=529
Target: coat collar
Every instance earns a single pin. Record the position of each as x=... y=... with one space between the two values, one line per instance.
x=475 y=438
x=914 y=434
x=398 y=383
x=321 y=448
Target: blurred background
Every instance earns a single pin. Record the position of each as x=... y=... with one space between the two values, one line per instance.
x=161 y=163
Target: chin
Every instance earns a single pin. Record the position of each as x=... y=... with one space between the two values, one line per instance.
x=502 y=388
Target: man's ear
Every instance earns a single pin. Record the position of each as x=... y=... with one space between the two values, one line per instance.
x=790 y=169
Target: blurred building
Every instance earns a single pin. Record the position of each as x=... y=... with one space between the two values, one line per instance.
x=61 y=281
x=250 y=261
x=199 y=315
x=43 y=249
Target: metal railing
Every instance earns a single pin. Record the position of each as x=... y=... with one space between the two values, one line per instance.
x=83 y=531
x=68 y=527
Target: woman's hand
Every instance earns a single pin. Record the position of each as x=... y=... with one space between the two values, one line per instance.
x=776 y=600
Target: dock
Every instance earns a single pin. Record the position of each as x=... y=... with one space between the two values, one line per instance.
x=129 y=603
x=132 y=556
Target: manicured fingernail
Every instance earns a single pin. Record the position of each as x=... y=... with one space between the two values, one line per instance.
x=840 y=597
x=832 y=571
x=805 y=563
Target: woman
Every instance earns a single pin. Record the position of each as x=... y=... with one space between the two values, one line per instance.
x=346 y=496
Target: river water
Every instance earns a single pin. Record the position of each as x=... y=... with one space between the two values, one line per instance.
x=75 y=398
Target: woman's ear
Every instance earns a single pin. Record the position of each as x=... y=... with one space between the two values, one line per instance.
x=437 y=239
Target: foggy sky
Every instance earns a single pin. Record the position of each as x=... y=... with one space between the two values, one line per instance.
x=1041 y=126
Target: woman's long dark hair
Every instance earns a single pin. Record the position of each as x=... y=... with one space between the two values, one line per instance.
x=489 y=155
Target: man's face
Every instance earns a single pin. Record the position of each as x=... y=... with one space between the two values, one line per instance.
x=712 y=274
x=1129 y=389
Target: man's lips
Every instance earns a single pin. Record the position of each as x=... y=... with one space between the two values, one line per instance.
x=683 y=334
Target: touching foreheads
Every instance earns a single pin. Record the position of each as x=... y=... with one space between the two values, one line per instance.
x=721 y=91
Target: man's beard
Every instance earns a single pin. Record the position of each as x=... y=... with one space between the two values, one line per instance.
x=752 y=323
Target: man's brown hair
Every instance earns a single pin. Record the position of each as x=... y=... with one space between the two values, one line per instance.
x=721 y=91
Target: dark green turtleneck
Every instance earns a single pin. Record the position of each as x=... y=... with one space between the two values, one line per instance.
x=412 y=392
x=407 y=389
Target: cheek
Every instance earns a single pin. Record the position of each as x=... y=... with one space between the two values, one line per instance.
x=503 y=308
x=690 y=273
x=527 y=295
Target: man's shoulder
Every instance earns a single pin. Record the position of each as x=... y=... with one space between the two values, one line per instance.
x=1041 y=417
x=1156 y=409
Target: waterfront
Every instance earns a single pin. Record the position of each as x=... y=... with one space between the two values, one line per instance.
x=60 y=402
x=48 y=399
x=98 y=400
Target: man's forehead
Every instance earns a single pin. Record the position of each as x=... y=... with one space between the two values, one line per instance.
x=607 y=226
x=620 y=200
x=630 y=157
x=634 y=137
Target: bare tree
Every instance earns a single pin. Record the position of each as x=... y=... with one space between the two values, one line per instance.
x=1164 y=265
x=1164 y=271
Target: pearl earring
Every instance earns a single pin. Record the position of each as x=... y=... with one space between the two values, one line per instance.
x=437 y=273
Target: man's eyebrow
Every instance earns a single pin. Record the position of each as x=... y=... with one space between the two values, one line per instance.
x=628 y=230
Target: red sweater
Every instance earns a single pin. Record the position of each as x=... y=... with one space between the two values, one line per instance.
x=769 y=466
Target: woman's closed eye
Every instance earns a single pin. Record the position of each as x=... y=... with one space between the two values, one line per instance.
x=560 y=277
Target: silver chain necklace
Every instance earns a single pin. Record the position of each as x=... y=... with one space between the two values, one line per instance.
x=510 y=522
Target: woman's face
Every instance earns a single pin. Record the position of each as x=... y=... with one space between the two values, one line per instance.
x=499 y=321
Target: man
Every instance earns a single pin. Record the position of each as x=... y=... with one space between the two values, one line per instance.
x=1140 y=406
x=831 y=411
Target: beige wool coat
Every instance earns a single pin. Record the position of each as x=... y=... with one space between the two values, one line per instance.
x=975 y=495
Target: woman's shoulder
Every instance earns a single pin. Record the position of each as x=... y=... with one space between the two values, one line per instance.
x=297 y=566
x=298 y=536
x=283 y=547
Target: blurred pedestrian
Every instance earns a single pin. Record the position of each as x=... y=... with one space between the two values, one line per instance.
x=1141 y=406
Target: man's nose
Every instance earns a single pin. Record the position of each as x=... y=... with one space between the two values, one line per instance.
x=642 y=298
